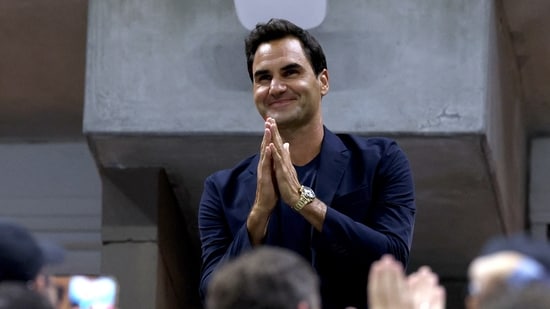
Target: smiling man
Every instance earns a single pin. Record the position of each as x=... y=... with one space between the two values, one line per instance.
x=340 y=201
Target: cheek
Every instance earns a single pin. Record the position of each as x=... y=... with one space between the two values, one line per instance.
x=259 y=94
x=310 y=87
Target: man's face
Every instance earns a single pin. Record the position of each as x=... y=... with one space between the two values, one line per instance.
x=284 y=84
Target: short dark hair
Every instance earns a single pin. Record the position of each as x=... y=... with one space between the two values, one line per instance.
x=264 y=278
x=276 y=29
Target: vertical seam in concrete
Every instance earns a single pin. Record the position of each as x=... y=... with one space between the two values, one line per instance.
x=491 y=172
x=502 y=21
x=527 y=180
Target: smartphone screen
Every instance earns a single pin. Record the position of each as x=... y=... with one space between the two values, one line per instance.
x=86 y=292
x=82 y=292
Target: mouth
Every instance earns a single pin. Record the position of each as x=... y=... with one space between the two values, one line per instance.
x=280 y=102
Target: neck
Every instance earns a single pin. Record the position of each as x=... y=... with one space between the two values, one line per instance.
x=305 y=142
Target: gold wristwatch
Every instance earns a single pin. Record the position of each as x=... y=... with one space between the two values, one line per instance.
x=306 y=196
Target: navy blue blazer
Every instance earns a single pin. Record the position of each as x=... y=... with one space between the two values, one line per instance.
x=368 y=187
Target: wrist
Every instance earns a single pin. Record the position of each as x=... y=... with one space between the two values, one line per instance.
x=256 y=224
x=307 y=195
x=258 y=213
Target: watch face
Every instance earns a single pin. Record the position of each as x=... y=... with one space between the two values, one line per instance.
x=308 y=192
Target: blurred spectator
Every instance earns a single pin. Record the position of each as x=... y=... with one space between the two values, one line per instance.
x=510 y=265
x=16 y=295
x=510 y=272
x=23 y=258
x=265 y=278
x=501 y=295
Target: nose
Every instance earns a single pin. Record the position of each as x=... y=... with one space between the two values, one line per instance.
x=277 y=87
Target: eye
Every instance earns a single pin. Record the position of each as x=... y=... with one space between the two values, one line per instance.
x=291 y=72
x=263 y=78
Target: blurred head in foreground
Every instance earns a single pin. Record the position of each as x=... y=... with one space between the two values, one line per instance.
x=510 y=267
x=267 y=278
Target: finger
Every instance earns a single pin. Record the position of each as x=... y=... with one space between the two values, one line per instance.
x=264 y=151
x=264 y=166
x=279 y=161
x=275 y=154
x=266 y=139
x=284 y=170
x=374 y=287
x=438 y=298
x=276 y=136
x=281 y=153
x=386 y=284
x=267 y=158
x=424 y=286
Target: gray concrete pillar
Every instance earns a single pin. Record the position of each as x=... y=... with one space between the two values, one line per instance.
x=539 y=192
x=146 y=245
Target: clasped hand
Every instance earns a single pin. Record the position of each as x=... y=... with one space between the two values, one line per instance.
x=277 y=176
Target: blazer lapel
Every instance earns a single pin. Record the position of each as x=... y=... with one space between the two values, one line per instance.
x=334 y=160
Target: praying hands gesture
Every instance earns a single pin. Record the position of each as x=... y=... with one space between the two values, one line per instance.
x=276 y=179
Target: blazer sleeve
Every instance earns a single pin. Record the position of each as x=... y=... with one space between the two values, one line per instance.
x=390 y=214
x=219 y=242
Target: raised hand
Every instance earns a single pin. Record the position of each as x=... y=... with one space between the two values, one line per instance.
x=285 y=174
x=390 y=288
x=426 y=293
x=387 y=285
x=266 y=192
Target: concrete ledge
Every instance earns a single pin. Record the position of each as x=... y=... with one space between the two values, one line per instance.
x=455 y=188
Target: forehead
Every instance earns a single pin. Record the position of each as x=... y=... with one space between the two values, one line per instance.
x=278 y=53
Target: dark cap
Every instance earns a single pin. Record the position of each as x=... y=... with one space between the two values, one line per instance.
x=21 y=255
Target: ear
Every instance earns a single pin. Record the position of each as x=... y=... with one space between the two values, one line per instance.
x=323 y=82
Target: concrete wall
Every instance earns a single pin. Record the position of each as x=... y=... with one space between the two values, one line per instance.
x=177 y=67
x=506 y=143
x=146 y=243
x=539 y=195
x=54 y=190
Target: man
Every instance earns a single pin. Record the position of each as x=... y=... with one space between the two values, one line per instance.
x=501 y=295
x=16 y=295
x=266 y=278
x=340 y=201
x=510 y=265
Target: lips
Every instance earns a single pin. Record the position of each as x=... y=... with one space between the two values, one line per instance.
x=280 y=102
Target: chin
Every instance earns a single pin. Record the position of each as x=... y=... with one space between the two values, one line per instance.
x=278 y=118
x=284 y=119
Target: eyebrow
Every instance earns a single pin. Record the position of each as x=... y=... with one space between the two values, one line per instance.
x=291 y=66
x=260 y=73
x=287 y=67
